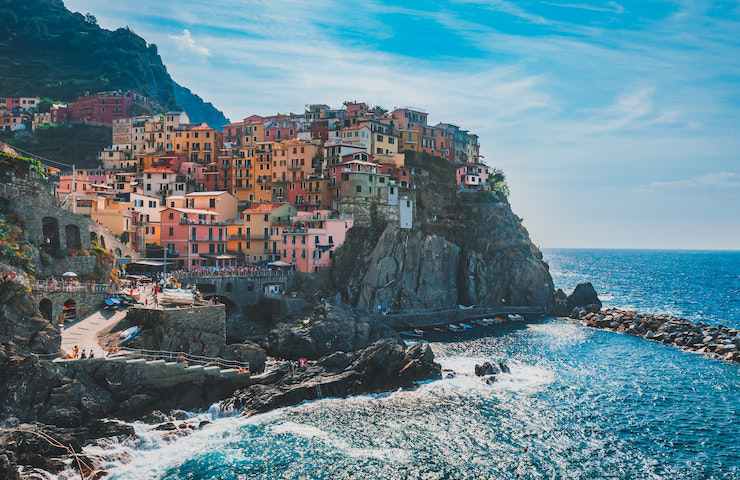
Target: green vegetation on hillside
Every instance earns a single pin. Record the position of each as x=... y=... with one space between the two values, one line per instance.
x=49 y=51
x=72 y=144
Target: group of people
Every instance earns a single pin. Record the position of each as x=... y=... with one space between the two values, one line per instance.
x=78 y=354
x=242 y=271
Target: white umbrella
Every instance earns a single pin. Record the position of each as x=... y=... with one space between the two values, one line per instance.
x=69 y=275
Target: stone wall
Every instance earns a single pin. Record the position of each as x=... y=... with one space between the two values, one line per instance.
x=198 y=330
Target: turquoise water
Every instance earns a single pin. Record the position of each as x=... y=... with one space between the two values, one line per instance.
x=579 y=403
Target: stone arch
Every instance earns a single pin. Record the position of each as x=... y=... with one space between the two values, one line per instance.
x=70 y=310
x=50 y=233
x=72 y=236
x=46 y=307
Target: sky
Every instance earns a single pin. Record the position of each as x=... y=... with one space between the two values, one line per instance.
x=617 y=122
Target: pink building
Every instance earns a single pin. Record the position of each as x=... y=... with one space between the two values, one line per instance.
x=311 y=240
x=195 y=238
x=473 y=176
x=83 y=181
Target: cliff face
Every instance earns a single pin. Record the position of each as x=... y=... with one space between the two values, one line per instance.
x=464 y=249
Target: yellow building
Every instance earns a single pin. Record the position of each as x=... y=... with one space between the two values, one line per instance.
x=260 y=230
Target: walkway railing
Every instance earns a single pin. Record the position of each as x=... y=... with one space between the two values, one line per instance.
x=235 y=273
x=183 y=357
x=54 y=287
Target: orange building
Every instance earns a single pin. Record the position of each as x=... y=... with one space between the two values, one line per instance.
x=200 y=143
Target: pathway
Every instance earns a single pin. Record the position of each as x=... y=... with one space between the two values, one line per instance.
x=85 y=332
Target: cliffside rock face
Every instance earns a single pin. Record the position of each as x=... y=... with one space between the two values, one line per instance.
x=409 y=270
x=20 y=323
x=465 y=248
x=325 y=330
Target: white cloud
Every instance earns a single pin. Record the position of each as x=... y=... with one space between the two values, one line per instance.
x=185 y=41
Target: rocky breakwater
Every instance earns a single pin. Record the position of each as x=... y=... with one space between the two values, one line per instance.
x=385 y=365
x=715 y=341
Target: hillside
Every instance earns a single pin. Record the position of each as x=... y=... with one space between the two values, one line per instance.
x=77 y=145
x=49 y=51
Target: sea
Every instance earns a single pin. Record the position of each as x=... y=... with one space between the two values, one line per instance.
x=578 y=403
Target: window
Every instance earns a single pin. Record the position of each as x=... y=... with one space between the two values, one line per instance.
x=211 y=248
x=212 y=203
x=194 y=248
x=171 y=231
x=267 y=217
x=316 y=240
x=359 y=188
x=331 y=240
x=194 y=233
x=171 y=215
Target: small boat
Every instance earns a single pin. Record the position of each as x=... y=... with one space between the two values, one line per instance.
x=439 y=330
x=419 y=332
x=454 y=328
x=516 y=318
x=129 y=334
x=466 y=326
x=486 y=322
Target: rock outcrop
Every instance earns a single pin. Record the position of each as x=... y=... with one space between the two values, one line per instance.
x=20 y=322
x=383 y=365
x=583 y=298
x=326 y=329
x=465 y=248
x=714 y=341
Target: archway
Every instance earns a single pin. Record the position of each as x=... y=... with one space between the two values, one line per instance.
x=102 y=241
x=50 y=232
x=70 y=311
x=72 y=236
x=46 y=308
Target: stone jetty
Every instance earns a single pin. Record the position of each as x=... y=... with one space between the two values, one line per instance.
x=715 y=341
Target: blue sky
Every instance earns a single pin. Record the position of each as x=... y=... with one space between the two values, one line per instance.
x=617 y=122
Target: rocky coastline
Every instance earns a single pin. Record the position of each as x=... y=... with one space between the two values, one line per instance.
x=713 y=341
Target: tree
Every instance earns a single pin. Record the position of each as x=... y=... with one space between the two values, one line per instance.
x=90 y=18
x=497 y=182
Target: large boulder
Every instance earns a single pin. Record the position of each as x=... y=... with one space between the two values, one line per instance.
x=326 y=329
x=247 y=352
x=584 y=296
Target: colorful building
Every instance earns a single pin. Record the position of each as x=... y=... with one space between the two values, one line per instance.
x=311 y=239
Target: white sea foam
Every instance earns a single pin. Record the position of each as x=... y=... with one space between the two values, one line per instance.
x=560 y=333
x=395 y=455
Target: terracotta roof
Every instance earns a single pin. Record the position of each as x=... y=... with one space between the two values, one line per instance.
x=159 y=170
x=264 y=208
x=205 y=194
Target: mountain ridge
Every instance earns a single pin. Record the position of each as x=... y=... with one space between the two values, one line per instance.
x=49 y=51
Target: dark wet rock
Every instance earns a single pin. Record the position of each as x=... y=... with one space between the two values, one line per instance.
x=8 y=466
x=584 y=297
x=386 y=364
x=487 y=368
x=166 y=427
